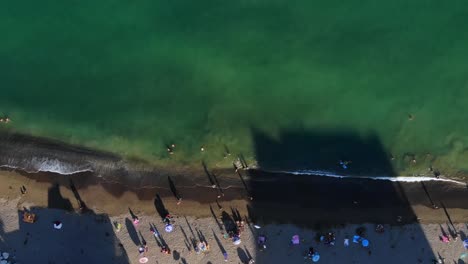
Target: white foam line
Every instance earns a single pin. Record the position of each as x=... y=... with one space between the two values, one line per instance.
x=46 y=170
x=380 y=178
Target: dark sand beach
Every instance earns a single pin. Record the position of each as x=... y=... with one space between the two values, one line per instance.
x=109 y=180
x=110 y=185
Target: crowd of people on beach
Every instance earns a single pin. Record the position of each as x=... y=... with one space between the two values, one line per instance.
x=234 y=229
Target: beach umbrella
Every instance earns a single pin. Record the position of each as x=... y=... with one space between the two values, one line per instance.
x=5 y=255
x=57 y=225
x=236 y=241
x=365 y=243
x=356 y=239
x=315 y=257
x=295 y=240
x=465 y=243
x=169 y=228
x=143 y=260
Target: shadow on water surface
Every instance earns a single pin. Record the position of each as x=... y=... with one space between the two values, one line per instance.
x=322 y=151
x=322 y=202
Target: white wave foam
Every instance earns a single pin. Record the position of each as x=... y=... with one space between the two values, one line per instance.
x=48 y=165
x=380 y=178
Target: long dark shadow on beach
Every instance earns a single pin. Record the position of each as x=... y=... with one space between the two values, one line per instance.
x=132 y=232
x=156 y=234
x=316 y=201
x=193 y=237
x=246 y=187
x=187 y=241
x=81 y=204
x=218 y=186
x=160 y=208
x=244 y=258
x=216 y=218
x=208 y=174
x=218 y=242
x=174 y=190
x=429 y=196
x=228 y=222
x=448 y=216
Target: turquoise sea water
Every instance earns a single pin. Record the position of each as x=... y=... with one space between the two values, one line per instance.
x=133 y=76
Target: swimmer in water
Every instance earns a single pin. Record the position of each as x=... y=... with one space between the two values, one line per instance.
x=410 y=117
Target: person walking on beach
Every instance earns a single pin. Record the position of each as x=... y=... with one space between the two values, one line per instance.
x=154 y=231
x=141 y=250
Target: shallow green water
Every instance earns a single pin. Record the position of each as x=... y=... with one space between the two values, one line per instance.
x=133 y=76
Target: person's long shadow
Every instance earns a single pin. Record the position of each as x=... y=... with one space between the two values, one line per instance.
x=133 y=215
x=156 y=237
x=132 y=232
x=201 y=237
x=448 y=216
x=81 y=203
x=249 y=256
x=173 y=188
x=228 y=222
x=192 y=238
x=462 y=235
x=208 y=174
x=244 y=258
x=162 y=242
x=442 y=231
x=218 y=242
x=235 y=214
x=142 y=239
x=187 y=241
x=216 y=218
x=160 y=208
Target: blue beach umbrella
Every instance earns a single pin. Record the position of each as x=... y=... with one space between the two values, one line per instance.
x=168 y=228
x=365 y=243
x=316 y=257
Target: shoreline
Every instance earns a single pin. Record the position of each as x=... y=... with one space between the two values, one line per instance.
x=377 y=201
x=36 y=155
x=338 y=199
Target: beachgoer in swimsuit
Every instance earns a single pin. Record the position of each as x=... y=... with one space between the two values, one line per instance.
x=311 y=252
x=165 y=250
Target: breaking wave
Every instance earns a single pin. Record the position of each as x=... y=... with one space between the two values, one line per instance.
x=380 y=178
x=48 y=165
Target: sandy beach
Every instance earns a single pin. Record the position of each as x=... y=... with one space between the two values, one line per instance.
x=93 y=238
x=412 y=227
